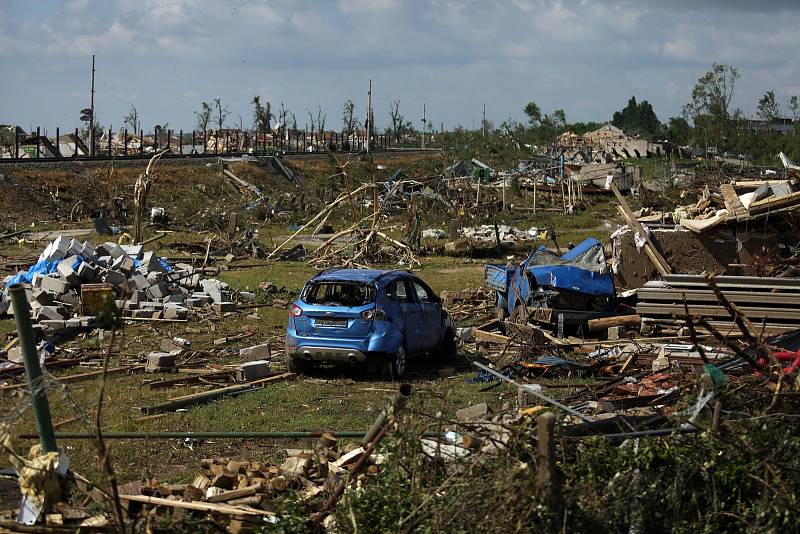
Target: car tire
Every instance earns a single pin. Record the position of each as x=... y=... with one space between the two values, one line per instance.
x=397 y=364
x=298 y=366
x=448 y=349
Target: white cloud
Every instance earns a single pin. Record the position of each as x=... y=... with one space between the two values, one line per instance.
x=76 y=6
x=116 y=37
x=367 y=6
x=261 y=15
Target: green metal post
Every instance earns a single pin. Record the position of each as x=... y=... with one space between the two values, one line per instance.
x=41 y=409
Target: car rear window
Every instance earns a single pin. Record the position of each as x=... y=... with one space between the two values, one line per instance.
x=335 y=293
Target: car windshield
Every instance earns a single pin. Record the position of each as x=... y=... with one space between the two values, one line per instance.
x=337 y=293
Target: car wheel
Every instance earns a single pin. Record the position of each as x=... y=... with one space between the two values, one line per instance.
x=448 y=348
x=397 y=364
x=298 y=366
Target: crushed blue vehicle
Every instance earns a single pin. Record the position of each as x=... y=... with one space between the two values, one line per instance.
x=561 y=291
x=367 y=317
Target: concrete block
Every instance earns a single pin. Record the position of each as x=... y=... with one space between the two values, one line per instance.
x=154 y=277
x=192 y=302
x=159 y=361
x=123 y=264
x=87 y=271
x=115 y=278
x=113 y=250
x=253 y=370
x=141 y=314
x=224 y=307
x=36 y=281
x=54 y=285
x=73 y=323
x=66 y=271
x=45 y=298
x=151 y=305
x=104 y=261
x=158 y=291
x=53 y=325
x=204 y=298
x=175 y=298
x=474 y=412
x=134 y=251
x=175 y=312
x=140 y=281
x=256 y=352
x=70 y=298
x=49 y=312
x=248 y=296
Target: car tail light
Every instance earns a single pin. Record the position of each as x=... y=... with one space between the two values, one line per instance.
x=375 y=313
x=295 y=311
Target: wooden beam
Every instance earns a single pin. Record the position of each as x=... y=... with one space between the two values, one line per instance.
x=605 y=323
x=649 y=248
x=216 y=508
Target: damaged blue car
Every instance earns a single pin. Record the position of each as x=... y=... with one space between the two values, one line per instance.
x=367 y=317
x=562 y=292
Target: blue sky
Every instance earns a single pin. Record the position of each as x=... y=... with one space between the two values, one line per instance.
x=585 y=56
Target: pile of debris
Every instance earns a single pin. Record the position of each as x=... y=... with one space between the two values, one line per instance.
x=73 y=282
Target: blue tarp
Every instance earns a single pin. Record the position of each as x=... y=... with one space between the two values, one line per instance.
x=42 y=267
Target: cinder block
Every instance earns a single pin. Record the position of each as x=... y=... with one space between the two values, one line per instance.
x=134 y=251
x=113 y=250
x=53 y=325
x=175 y=312
x=87 y=271
x=247 y=296
x=73 y=323
x=256 y=352
x=192 y=302
x=253 y=370
x=224 y=307
x=54 y=285
x=70 y=298
x=160 y=361
x=115 y=278
x=140 y=281
x=204 y=298
x=123 y=264
x=158 y=291
x=49 y=312
x=155 y=277
x=45 y=298
x=175 y=298
x=66 y=271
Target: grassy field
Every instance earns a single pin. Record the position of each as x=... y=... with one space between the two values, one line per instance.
x=334 y=399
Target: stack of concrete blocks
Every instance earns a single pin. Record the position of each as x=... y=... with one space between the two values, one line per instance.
x=144 y=287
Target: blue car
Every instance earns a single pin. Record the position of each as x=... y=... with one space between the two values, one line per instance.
x=367 y=316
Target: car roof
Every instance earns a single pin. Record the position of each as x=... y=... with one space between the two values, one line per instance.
x=357 y=275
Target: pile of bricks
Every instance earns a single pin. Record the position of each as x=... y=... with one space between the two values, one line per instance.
x=142 y=285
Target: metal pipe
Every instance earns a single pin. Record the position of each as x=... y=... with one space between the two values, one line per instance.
x=535 y=393
x=216 y=435
x=33 y=369
x=206 y=396
x=396 y=405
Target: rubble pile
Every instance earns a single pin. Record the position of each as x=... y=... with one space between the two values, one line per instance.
x=73 y=281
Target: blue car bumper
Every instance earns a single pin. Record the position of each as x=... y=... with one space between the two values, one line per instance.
x=383 y=337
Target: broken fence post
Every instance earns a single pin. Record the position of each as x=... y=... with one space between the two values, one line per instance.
x=41 y=408
x=548 y=477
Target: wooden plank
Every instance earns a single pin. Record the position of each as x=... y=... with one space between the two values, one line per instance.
x=489 y=336
x=732 y=203
x=775 y=202
x=216 y=508
x=651 y=253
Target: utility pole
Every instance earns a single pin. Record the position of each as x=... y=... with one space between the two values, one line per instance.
x=369 y=115
x=91 y=117
x=424 y=122
x=483 y=124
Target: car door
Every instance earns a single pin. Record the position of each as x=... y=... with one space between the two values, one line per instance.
x=431 y=314
x=403 y=295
